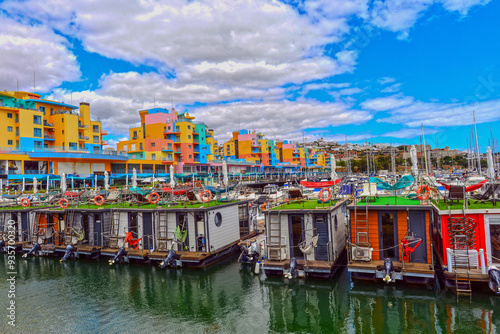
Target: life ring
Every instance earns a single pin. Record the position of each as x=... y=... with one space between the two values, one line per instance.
x=153 y=201
x=419 y=192
x=25 y=202
x=327 y=197
x=61 y=201
x=99 y=200
x=198 y=184
x=206 y=196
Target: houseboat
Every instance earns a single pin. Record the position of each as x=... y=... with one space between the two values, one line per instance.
x=15 y=227
x=305 y=238
x=390 y=238
x=466 y=235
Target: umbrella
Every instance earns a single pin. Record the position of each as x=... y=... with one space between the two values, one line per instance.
x=134 y=178
x=224 y=173
x=172 y=180
x=333 y=167
x=72 y=183
x=24 y=182
x=414 y=161
x=126 y=181
x=1 y=187
x=106 y=180
x=48 y=184
x=35 y=184
x=95 y=182
x=490 y=171
x=63 y=183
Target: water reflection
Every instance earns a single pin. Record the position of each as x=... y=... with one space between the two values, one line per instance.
x=92 y=296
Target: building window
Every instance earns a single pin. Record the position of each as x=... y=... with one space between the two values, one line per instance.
x=38 y=144
x=140 y=146
x=189 y=127
x=37 y=119
x=51 y=111
x=9 y=142
x=17 y=118
x=62 y=120
x=95 y=128
x=41 y=109
x=153 y=156
x=153 y=144
x=190 y=156
x=9 y=128
x=96 y=139
x=9 y=115
x=189 y=136
x=189 y=146
x=169 y=146
x=37 y=132
x=17 y=131
x=134 y=135
x=96 y=149
x=62 y=131
x=73 y=146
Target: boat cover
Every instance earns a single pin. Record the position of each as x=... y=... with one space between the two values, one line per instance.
x=323 y=184
x=467 y=189
x=403 y=182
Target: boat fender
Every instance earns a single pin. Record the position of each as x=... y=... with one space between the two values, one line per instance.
x=70 y=251
x=119 y=257
x=2 y=246
x=389 y=269
x=293 y=268
x=34 y=250
x=169 y=260
x=494 y=283
x=257 y=268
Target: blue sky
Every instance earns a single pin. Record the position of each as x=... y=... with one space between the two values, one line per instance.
x=368 y=70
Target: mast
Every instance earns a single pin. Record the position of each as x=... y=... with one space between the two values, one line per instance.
x=477 y=145
x=425 y=153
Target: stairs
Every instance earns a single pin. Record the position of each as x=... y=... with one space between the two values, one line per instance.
x=162 y=239
x=114 y=233
x=274 y=240
x=361 y=225
x=462 y=283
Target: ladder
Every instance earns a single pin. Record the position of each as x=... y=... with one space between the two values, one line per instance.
x=462 y=284
x=274 y=239
x=162 y=238
x=68 y=233
x=361 y=225
x=36 y=227
x=114 y=233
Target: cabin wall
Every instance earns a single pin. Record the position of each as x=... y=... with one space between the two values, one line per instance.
x=402 y=229
x=338 y=236
x=446 y=242
x=227 y=232
x=191 y=232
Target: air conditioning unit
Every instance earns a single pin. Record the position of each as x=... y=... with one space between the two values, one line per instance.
x=362 y=253
x=277 y=253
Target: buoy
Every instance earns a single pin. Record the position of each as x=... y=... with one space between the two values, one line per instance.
x=257 y=268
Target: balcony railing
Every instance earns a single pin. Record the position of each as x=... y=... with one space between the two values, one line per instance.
x=104 y=132
x=47 y=124
x=48 y=137
x=83 y=126
x=83 y=137
x=167 y=159
x=104 y=142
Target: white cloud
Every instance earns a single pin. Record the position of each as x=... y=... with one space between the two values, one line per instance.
x=278 y=118
x=462 y=6
x=408 y=133
x=391 y=89
x=34 y=49
x=387 y=103
x=386 y=80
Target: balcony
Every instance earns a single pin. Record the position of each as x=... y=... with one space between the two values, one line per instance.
x=82 y=138
x=104 y=142
x=82 y=126
x=48 y=125
x=169 y=132
x=104 y=133
x=48 y=137
x=165 y=159
x=178 y=152
x=167 y=149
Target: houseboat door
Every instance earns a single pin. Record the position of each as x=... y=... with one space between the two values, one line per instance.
x=182 y=223
x=321 y=227
x=493 y=240
x=97 y=230
x=418 y=230
x=388 y=235
x=147 y=230
x=296 y=228
x=85 y=227
x=25 y=226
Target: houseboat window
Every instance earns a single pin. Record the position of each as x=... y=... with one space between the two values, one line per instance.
x=495 y=242
x=335 y=223
x=218 y=219
x=388 y=236
x=132 y=227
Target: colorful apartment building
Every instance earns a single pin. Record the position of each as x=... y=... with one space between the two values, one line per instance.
x=252 y=147
x=166 y=138
x=48 y=137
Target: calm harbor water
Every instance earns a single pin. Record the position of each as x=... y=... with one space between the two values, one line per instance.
x=90 y=296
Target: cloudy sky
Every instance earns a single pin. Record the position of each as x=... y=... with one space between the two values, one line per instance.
x=329 y=68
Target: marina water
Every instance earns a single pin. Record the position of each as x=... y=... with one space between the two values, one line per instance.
x=90 y=296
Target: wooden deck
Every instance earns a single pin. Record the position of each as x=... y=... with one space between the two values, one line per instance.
x=301 y=264
x=474 y=275
x=131 y=253
x=423 y=268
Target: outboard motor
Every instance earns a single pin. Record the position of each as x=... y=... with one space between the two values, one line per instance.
x=389 y=269
x=119 y=257
x=294 y=272
x=35 y=250
x=250 y=254
x=70 y=251
x=169 y=260
x=494 y=283
x=2 y=246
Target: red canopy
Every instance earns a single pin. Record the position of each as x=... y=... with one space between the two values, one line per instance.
x=175 y=191
x=319 y=184
x=134 y=243
x=469 y=188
